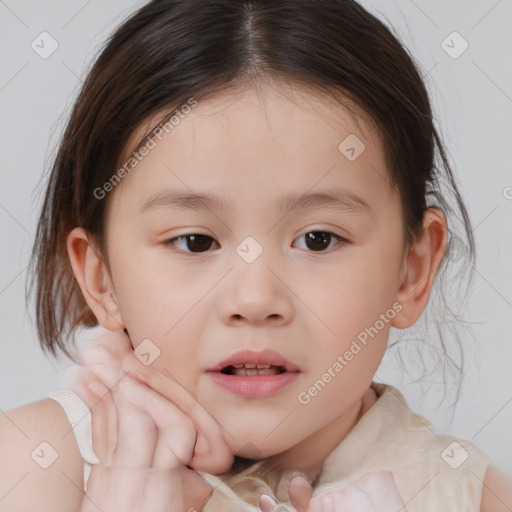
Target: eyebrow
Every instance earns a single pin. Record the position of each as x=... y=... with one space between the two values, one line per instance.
x=335 y=199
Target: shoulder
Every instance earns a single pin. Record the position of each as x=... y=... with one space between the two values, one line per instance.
x=41 y=467
x=496 y=492
x=455 y=466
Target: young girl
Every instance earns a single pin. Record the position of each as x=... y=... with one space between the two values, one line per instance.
x=245 y=200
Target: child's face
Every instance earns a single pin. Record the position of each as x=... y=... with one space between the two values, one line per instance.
x=309 y=305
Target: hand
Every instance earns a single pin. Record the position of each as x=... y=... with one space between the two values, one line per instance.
x=143 y=440
x=145 y=468
x=374 y=491
x=211 y=454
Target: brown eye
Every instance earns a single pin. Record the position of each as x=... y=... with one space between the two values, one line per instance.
x=193 y=243
x=319 y=241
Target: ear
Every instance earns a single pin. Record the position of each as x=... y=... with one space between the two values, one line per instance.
x=420 y=267
x=94 y=280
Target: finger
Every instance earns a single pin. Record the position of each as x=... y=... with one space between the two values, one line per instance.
x=380 y=489
x=347 y=498
x=103 y=419
x=331 y=501
x=300 y=492
x=211 y=454
x=176 y=432
x=373 y=491
x=266 y=503
x=101 y=361
x=104 y=365
x=103 y=423
x=137 y=434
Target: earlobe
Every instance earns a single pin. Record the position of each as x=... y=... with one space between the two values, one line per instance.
x=420 y=267
x=94 y=280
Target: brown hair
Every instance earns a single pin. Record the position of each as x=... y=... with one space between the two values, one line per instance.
x=172 y=50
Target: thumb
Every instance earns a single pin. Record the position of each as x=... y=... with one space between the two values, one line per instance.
x=300 y=492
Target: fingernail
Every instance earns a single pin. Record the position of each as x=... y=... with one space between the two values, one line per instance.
x=267 y=504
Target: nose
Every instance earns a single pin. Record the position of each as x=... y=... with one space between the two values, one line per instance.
x=257 y=295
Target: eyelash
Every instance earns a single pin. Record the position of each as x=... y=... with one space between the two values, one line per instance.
x=341 y=241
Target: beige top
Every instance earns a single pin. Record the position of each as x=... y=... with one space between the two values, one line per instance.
x=432 y=472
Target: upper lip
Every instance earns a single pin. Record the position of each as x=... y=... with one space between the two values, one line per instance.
x=267 y=356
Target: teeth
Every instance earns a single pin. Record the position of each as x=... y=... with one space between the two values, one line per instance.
x=251 y=365
x=258 y=371
x=253 y=369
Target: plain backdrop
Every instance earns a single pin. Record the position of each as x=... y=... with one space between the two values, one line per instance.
x=472 y=98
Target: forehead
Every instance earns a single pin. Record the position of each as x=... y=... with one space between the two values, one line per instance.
x=271 y=102
x=271 y=138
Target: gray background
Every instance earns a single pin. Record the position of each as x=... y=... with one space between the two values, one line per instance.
x=472 y=98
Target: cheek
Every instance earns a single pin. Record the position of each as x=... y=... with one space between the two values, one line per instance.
x=353 y=294
x=160 y=305
x=146 y=296
x=355 y=301
x=145 y=284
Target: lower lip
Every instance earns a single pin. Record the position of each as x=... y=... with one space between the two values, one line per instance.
x=253 y=386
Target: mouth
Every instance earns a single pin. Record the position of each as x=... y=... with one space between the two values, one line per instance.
x=252 y=369
x=254 y=385
x=250 y=374
x=264 y=362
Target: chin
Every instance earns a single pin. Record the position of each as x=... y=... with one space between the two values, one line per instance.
x=255 y=450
